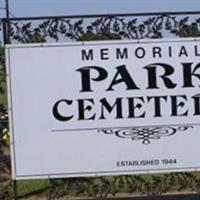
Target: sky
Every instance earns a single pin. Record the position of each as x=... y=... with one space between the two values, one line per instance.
x=27 y=8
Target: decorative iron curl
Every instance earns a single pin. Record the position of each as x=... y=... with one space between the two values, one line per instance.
x=145 y=134
x=111 y=27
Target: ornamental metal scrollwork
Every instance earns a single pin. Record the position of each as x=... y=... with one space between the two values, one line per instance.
x=104 y=28
x=145 y=134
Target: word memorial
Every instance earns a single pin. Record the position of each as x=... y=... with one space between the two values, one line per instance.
x=104 y=108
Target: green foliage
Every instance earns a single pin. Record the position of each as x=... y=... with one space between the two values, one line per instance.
x=35 y=38
x=6 y=190
x=188 y=29
x=100 y=36
x=3 y=99
x=5 y=186
x=3 y=96
x=1 y=51
x=2 y=70
x=101 y=188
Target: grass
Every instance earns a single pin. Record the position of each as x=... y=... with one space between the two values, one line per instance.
x=29 y=187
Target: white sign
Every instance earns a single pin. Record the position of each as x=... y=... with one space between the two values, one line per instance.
x=104 y=108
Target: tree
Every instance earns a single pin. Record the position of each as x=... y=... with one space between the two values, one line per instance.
x=99 y=36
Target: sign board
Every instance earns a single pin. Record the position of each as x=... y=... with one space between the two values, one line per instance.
x=104 y=108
